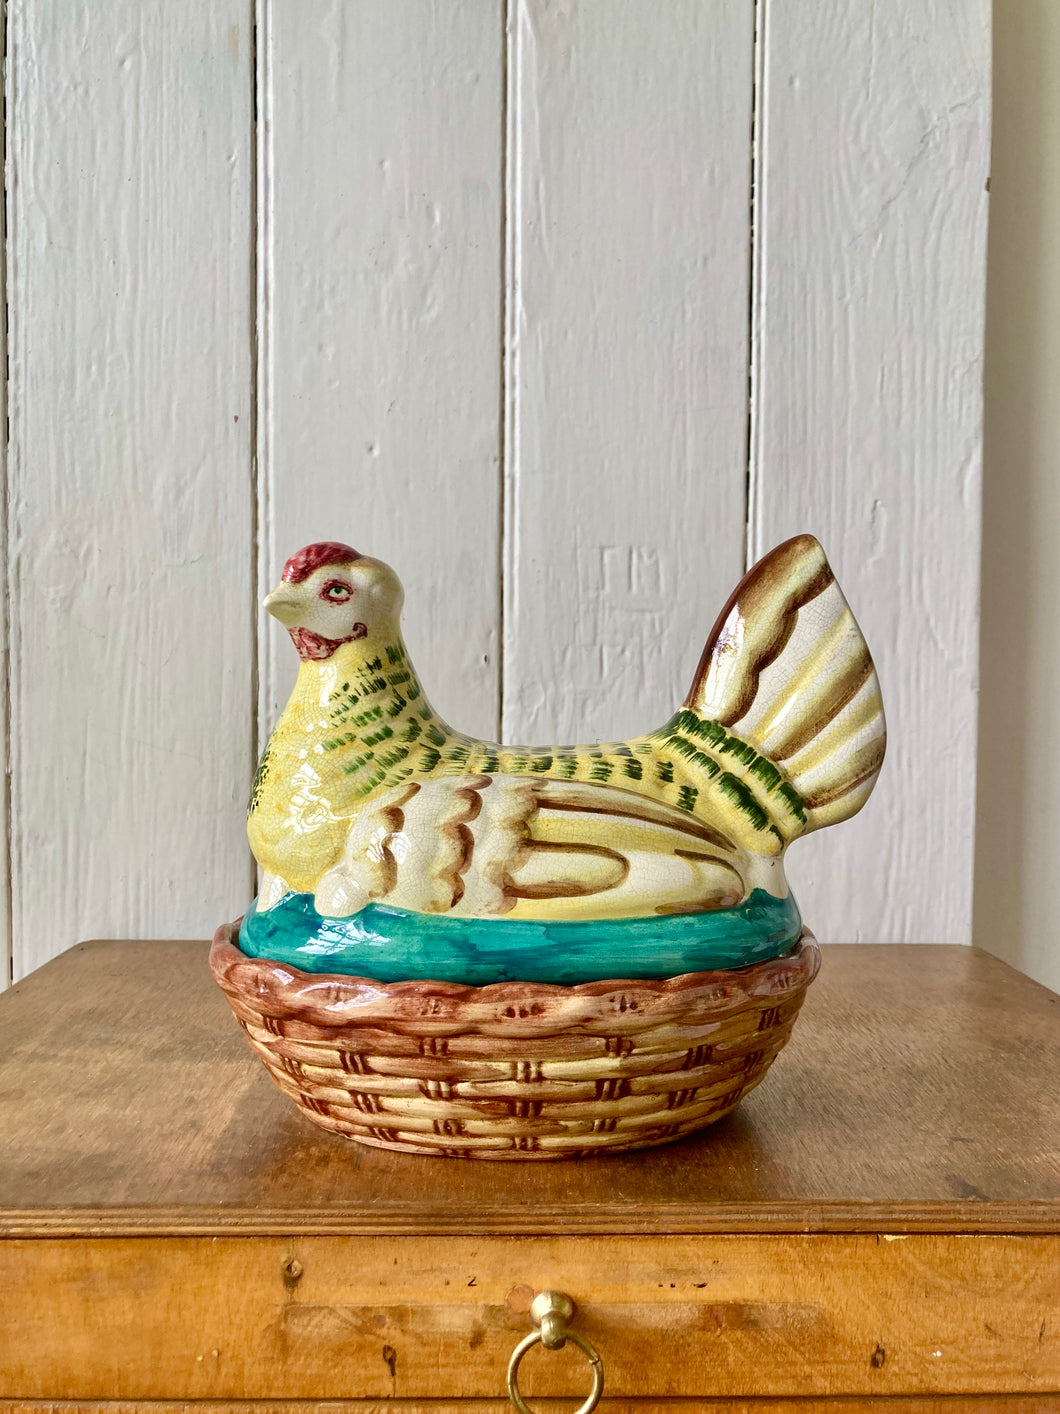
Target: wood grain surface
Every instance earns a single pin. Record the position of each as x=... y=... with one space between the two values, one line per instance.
x=304 y=1317
x=920 y=1092
x=171 y=1229
x=899 y=1404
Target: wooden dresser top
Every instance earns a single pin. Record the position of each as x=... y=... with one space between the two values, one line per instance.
x=920 y=1092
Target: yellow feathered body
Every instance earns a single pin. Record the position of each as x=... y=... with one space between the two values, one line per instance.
x=364 y=794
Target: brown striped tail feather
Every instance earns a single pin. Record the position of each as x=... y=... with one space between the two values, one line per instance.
x=787 y=670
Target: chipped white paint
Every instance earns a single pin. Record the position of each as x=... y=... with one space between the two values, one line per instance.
x=510 y=356
x=869 y=331
x=6 y=940
x=629 y=245
x=385 y=334
x=129 y=521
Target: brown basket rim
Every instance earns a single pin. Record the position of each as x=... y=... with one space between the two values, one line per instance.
x=326 y=999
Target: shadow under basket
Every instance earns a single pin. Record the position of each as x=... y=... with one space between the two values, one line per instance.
x=515 y=1070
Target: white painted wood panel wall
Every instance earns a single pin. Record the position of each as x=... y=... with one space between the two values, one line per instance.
x=563 y=308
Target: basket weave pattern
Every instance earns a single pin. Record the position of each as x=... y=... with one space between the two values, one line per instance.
x=515 y=1070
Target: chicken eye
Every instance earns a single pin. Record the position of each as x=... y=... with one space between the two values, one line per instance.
x=336 y=592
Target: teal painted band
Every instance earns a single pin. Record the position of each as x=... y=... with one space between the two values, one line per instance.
x=394 y=945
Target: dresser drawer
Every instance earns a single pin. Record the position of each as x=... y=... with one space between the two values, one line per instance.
x=857 y=1404
x=172 y=1230
x=416 y=1318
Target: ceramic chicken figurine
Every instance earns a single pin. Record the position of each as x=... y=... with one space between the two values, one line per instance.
x=378 y=827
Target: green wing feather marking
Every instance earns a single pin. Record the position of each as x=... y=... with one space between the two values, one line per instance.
x=259 y=780
x=692 y=761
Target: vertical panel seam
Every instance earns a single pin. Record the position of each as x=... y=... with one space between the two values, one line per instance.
x=756 y=259
x=510 y=431
x=5 y=622
x=502 y=449
x=252 y=575
x=261 y=370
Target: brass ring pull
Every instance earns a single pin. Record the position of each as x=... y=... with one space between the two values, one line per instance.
x=550 y=1311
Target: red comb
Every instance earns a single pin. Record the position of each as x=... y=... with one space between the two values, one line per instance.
x=325 y=552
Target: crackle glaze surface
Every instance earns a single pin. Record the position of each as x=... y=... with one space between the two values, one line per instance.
x=364 y=795
x=393 y=944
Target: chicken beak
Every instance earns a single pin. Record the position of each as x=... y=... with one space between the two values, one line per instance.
x=282 y=605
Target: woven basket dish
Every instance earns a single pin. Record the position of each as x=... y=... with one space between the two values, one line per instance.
x=515 y=1070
